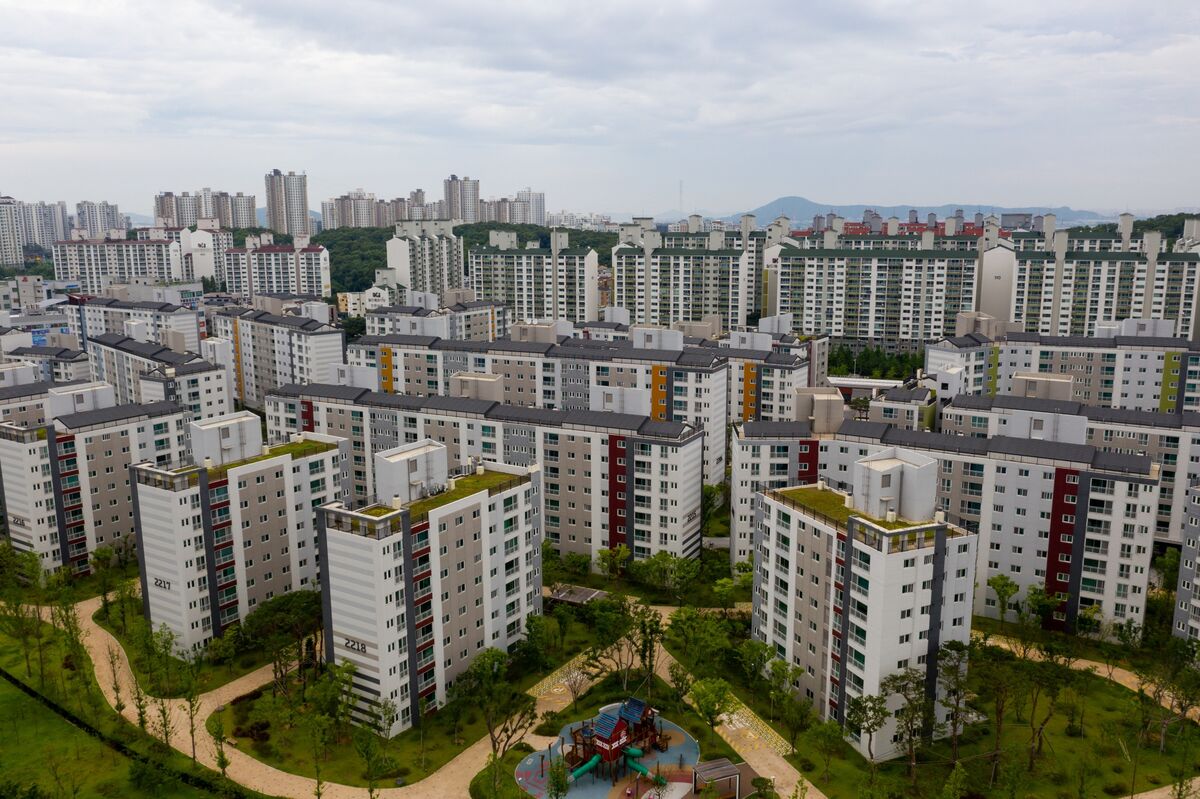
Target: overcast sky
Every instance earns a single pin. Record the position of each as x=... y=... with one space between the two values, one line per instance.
x=606 y=105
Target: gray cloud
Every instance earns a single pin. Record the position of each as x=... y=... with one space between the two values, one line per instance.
x=606 y=105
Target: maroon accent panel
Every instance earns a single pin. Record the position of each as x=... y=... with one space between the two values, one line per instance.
x=810 y=459
x=616 y=490
x=1058 y=528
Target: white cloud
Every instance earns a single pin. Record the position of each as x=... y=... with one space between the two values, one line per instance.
x=605 y=105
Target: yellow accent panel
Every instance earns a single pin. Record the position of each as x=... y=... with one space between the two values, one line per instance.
x=658 y=392
x=749 y=392
x=385 y=369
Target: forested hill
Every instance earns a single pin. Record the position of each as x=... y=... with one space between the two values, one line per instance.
x=355 y=253
x=1170 y=225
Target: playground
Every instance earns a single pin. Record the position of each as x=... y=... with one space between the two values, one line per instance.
x=623 y=752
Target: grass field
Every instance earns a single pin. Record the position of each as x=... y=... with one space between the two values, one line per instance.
x=208 y=675
x=37 y=746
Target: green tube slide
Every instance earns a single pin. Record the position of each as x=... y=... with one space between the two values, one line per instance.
x=632 y=752
x=585 y=768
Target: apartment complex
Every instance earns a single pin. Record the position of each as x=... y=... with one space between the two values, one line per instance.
x=54 y=364
x=160 y=322
x=97 y=220
x=41 y=223
x=265 y=351
x=426 y=256
x=474 y=320
x=66 y=479
x=136 y=370
x=352 y=209
x=685 y=384
x=417 y=584
x=609 y=478
x=263 y=267
x=855 y=587
x=98 y=263
x=358 y=303
x=287 y=203
x=1137 y=372
x=887 y=296
x=538 y=283
x=215 y=538
x=185 y=210
x=1072 y=518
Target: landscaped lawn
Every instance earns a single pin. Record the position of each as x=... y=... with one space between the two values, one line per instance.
x=289 y=749
x=1055 y=775
x=481 y=783
x=714 y=565
x=40 y=747
x=71 y=683
x=208 y=675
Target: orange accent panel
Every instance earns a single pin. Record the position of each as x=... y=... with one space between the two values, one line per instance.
x=749 y=392
x=658 y=393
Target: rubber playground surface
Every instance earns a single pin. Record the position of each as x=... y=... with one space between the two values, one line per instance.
x=675 y=765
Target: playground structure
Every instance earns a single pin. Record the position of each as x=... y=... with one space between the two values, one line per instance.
x=613 y=742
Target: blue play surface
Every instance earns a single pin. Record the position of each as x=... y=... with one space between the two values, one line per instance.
x=531 y=772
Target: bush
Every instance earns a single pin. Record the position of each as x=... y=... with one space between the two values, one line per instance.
x=806 y=764
x=1153 y=779
x=1115 y=789
x=1118 y=768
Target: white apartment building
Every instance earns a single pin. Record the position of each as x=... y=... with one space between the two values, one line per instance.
x=1072 y=518
x=1186 y=620
x=416 y=585
x=140 y=371
x=461 y=198
x=267 y=268
x=426 y=256
x=610 y=478
x=853 y=588
x=218 y=537
x=887 y=297
x=12 y=254
x=687 y=384
x=54 y=364
x=42 y=223
x=473 y=320
x=66 y=481
x=358 y=303
x=98 y=263
x=537 y=205
x=538 y=283
x=266 y=351
x=160 y=322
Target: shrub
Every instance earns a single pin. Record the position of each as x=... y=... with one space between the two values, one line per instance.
x=1118 y=768
x=806 y=764
x=1115 y=789
x=1153 y=779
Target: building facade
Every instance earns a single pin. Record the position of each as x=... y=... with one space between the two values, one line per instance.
x=555 y=282
x=287 y=203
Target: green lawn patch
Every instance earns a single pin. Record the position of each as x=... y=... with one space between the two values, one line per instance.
x=464 y=486
x=714 y=565
x=832 y=505
x=481 y=783
x=167 y=678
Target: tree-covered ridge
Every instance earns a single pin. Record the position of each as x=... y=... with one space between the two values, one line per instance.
x=875 y=363
x=355 y=253
x=1170 y=225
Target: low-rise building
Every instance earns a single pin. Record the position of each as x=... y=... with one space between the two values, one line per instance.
x=473 y=320
x=55 y=364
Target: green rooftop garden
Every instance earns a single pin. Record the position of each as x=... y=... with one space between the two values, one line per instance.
x=464 y=486
x=832 y=504
x=293 y=449
x=376 y=510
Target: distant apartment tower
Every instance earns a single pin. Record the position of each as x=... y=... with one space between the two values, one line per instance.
x=98 y=263
x=537 y=205
x=71 y=491
x=538 y=283
x=442 y=567
x=855 y=588
x=426 y=256
x=11 y=252
x=287 y=203
x=43 y=223
x=98 y=218
x=218 y=537
x=461 y=198
x=353 y=209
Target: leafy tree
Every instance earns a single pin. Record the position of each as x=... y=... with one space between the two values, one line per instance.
x=681 y=679
x=613 y=561
x=915 y=715
x=712 y=500
x=724 y=591
x=102 y=565
x=317 y=727
x=952 y=677
x=713 y=699
x=1167 y=565
x=797 y=715
x=614 y=651
x=557 y=779
x=1005 y=589
x=354 y=327
x=826 y=739
x=191 y=705
x=220 y=650
x=369 y=749
x=507 y=712
x=1045 y=680
x=867 y=714
x=283 y=625
x=780 y=677
x=754 y=656
x=955 y=786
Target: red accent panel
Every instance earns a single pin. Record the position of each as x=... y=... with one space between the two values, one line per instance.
x=1058 y=528
x=811 y=459
x=616 y=488
x=306 y=416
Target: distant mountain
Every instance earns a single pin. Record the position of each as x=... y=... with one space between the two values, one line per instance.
x=802 y=210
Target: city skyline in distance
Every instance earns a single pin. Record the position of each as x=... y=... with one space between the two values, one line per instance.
x=1017 y=106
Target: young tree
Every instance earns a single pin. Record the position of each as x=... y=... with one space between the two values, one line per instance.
x=507 y=712
x=166 y=725
x=1045 y=680
x=797 y=715
x=614 y=651
x=217 y=733
x=114 y=664
x=916 y=717
x=952 y=677
x=753 y=656
x=713 y=699
x=1005 y=589
x=367 y=747
x=645 y=635
x=867 y=714
x=780 y=677
x=826 y=739
x=317 y=726
x=681 y=679
x=102 y=562
x=220 y=650
x=191 y=703
x=18 y=621
x=139 y=704
x=955 y=786
x=576 y=682
x=557 y=779
x=724 y=591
